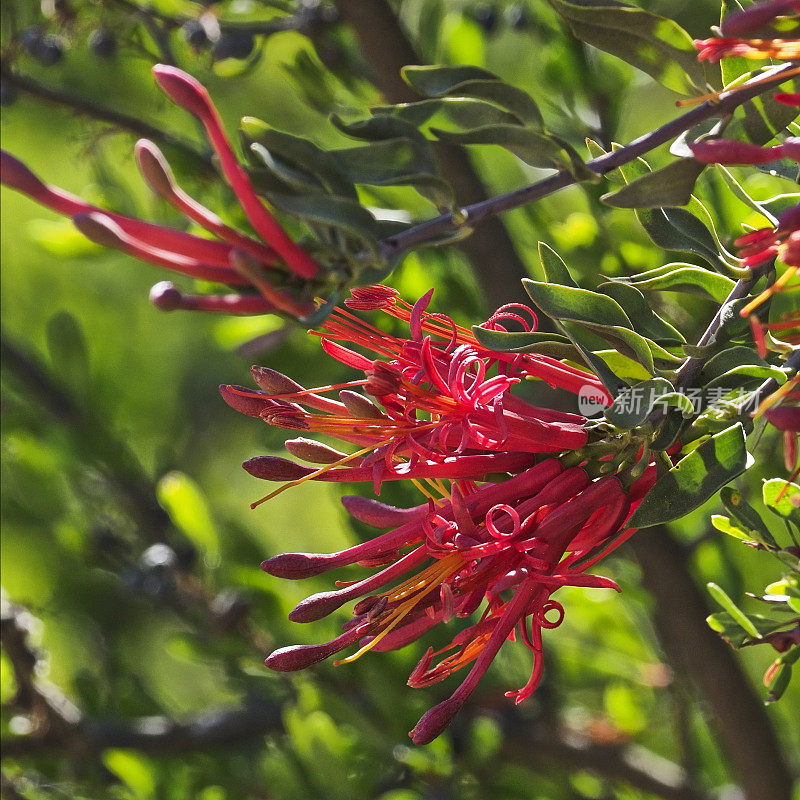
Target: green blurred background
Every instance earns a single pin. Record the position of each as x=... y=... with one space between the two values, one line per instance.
x=127 y=532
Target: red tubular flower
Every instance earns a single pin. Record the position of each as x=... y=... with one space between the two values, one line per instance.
x=727 y=151
x=765 y=244
x=232 y=258
x=441 y=410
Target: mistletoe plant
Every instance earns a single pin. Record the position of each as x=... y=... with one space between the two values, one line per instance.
x=517 y=499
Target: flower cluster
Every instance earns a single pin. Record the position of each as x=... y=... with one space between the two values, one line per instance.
x=514 y=524
x=749 y=34
x=251 y=265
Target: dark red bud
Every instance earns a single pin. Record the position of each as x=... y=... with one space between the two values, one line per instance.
x=295 y=566
x=274 y=382
x=275 y=468
x=313 y=451
x=434 y=721
x=379 y=515
x=244 y=400
x=165 y=296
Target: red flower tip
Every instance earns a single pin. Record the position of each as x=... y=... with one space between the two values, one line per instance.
x=756 y=16
x=183 y=89
x=379 y=515
x=300 y=656
x=434 y=721
x=788 y=98
x=371 y=298
x=165 y=296
x=275 y=468
x=101 y=229
x=274 y=382
x=154 y=168
x=296 y=566
x=14 y=174
x=246 y=401
x=318 y=606
x=727 y=151
x=784 y=418
x=313 y=451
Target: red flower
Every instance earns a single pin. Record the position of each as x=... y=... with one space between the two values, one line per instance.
x=444 y=412
x=232 y=258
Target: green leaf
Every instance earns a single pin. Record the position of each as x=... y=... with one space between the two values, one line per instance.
x=670 y=186
x=746 y=516
x=653 y=44
x=381 y=127
x=634 y=405
x=719 y=594
x=729 y=628
x=537 y=149
x=133 y=769
x=338 y=212
x=731 y=365
x=574 y=303
x=694 y=479
x=449 y=113
x=516 y=341
x=468 y=81
x=555 y=270
x=679 y=277
x=622 y=366
x=724 y=524
x=434 y=81
x=301 y=153
x=613 y=382
x=679 y=229
x=783 y=498
x=639 y=312
x=188 y=509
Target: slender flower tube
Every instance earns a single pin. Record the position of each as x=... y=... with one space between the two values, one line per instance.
x=505 y=524
x=231 y=258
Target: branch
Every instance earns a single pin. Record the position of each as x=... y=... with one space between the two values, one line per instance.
x=387 y=49
x=639 y=768
x=127 y=122
x=479 y=212
x=123 y=469
x=742 y=724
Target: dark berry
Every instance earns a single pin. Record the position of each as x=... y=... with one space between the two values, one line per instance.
x=103 y=44
x=517 y=17
x=185 y=555
x=234 y=44
x=8 y=93
x=48 y=51
x=30 y=39
x=195 y=34
x=485 y=15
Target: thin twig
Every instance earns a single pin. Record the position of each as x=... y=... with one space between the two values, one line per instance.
x=89 y=108
x=476 y=213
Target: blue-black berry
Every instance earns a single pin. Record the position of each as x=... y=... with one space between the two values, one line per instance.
x=234 y=44
x=103 y=43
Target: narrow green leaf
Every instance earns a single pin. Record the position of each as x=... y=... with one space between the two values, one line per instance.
x=670 y=186
x=746 y=516
x=640 y=313
x=434 y=81
x=719 y=594
x=574 y=303
x=653 y=44
x=678 y=277
x=537 y=149
x=449 y=114
x=783 y=498
x=555 y=270
x=337 y=212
